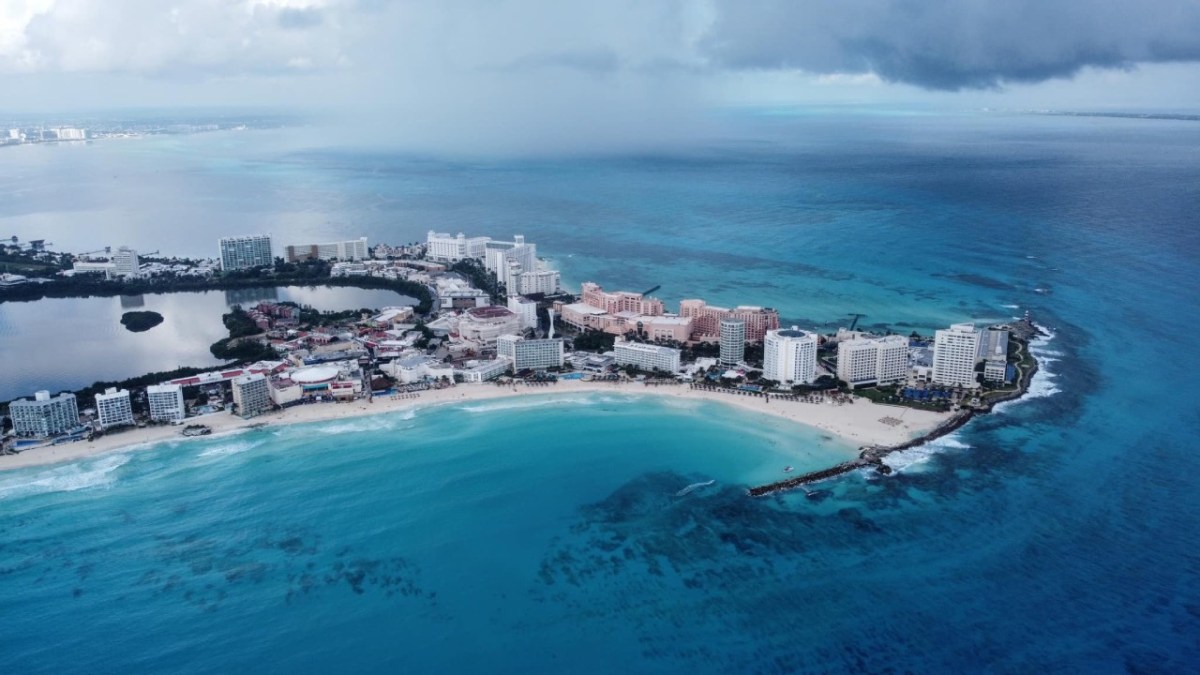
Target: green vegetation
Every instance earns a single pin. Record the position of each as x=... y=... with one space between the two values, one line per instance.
x=594 y=341
x=140 y=322
x=890 y=395
x=235 y=347
x=482 y=279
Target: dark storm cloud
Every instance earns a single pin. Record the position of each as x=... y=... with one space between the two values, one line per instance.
x=952 y=44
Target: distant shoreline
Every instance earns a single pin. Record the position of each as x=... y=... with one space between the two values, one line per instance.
x=858 y=424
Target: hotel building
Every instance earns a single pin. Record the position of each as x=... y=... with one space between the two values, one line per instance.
x=955 y=352
x=166 y=402
x=706 y=320
x=881 y=360
x=113 y=408
x=790 y=356
x=733 y=341
x=123 y=263
x=484 y=324
x=544 y=281
x=252 y=395
x=44 y=415
x=239 y=253
x=993 y=348
x=646 y=357
x=442 y=246
x=530 y=354
x=524 y=308
x=355 y=249
x=623 y=312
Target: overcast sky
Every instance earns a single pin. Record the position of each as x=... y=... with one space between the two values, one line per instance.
x=483 y=68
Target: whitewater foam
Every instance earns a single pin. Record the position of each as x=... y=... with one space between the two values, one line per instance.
x=67 y=478
x=913 y=458
x=525 y=403
x=1043 y=383
x=226 y=449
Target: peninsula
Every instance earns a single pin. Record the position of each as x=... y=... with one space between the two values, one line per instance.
x=493 y=321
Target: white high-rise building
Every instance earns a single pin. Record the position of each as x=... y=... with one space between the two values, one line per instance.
x=879 y=360
x=524 y=308
x=733 y=341
x=44 y=415
x=345 y=251
x=547 y=282
x=442 y=246
x=239 y=253
x=166 y=402
x=955 y=352
x=252 y=395
x=647 y=357
x=113 y=408
x=530 y=354
x=790 y=356
x=125 y=263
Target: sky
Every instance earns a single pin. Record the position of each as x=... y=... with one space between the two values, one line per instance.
x=543 y=70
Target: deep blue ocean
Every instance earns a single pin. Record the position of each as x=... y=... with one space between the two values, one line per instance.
x=1060 y=534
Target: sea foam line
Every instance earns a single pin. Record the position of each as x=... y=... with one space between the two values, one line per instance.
x=66 y=478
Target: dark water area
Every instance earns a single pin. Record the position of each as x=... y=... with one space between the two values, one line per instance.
x=69 y=343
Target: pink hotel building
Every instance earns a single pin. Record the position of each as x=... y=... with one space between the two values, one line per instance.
x=621 y=312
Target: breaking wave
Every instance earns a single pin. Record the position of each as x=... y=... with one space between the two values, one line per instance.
x=225 y=449
x=66 y=478
x=1044 y=381
x=914 y=458
x=523 y=403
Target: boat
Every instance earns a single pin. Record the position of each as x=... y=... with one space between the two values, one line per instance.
x=787 y=469
x=694 y=486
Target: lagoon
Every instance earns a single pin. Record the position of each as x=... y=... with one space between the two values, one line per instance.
x=68 y=343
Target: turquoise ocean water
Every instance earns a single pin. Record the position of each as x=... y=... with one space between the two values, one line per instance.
x=1059 y=534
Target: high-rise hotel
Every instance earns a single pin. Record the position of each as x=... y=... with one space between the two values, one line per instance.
x=879 y=360
x=955 y=353
x=790 y=356
x=240 y=253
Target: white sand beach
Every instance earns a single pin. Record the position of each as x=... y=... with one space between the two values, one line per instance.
x=860 y=423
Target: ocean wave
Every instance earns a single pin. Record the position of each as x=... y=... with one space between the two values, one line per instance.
x=523 y=403
x=360 y=424
x=234 y=448
x=913 y=458
x=67 y=478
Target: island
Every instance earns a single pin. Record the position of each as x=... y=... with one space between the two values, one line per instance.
x=140 y=322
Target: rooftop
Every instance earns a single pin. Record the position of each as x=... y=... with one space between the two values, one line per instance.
x=490 y=312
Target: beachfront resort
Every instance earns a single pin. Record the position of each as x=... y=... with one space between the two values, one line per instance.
x=493 y=320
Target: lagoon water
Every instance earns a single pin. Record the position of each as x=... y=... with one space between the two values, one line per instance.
x=68 y=343
x=1059 y=534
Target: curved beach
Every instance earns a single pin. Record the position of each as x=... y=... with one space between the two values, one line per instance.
x=857 y=424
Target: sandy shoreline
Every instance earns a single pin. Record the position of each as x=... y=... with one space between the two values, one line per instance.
x=857 y=424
